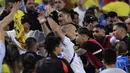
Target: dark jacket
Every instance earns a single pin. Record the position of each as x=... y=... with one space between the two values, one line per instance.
x=52 y=64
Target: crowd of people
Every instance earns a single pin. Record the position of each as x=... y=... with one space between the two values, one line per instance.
x=51 y=38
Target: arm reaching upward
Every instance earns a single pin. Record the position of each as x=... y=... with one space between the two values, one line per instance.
x=55 y=28
x=9 y=18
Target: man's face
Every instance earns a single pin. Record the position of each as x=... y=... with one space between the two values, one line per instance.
x=30 y=5
x=92 y=25
x=79 y=39
x=26 y=26
x=98 y=33
x=127 y=21
x=62 y=18
x=59 y=4
x=76 y=19
x=112 y=21
x=117 y=32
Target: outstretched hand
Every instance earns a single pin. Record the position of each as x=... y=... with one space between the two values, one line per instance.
x=16 y=6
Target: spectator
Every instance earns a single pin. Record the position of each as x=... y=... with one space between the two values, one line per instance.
x=6 y=11
x=3 y=24
x=32 y=15
x=111 y=20
x=119 y=31
x=67 y=24
x=92 y=50
x=80 y=9
x=122 y=59
x=127 y=22
x=67 y=46
x=28 y=33
x=29 y=63
x=90 y=21
x=99 y=34
x=12 y=61
x=53 y=64
x=59 y=4
x=109 y=59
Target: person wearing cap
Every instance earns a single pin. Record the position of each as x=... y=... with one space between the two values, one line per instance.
x=90 y=21
x=109 y=60
x=122 y=59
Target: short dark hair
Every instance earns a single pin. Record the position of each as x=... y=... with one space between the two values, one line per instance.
x=122 y=48
x=65 y=10
x=29 y=61
x=109 y=56
x=85 y=31
x=112 y=14
x=100 y=26
x=51 y=43
x=121 y=25
x=30 y=42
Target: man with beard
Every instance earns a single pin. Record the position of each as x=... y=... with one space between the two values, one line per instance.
x=32 y=15
x=99 y=34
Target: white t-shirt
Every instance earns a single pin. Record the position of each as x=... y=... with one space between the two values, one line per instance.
x=81 y=15
x=68 y=51
x=36 y=34
x=113 y=70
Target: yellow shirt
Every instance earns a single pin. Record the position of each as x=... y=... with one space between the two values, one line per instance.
x=5 y=68
x=89 y=3
x=121 y=8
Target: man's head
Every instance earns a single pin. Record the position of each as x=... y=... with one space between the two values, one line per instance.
x=119 y=30
x=112 y=18
x=94 y=10
x=127 y=22
x=59 y=4
x=122 y=48
x=25 y=23
x=90 y=21
x=83 y=35
x=30 y=5
x=75 y=17
x=8 y=6
x=64 y=17
x=109 y=57
x=31 y=44
x=99 y=32
x=53 y=45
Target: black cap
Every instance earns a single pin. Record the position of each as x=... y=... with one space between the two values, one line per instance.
x=90 y=18
x=112 y=14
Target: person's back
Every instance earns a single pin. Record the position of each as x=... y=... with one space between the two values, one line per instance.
x=113 y=70
x=109 y=59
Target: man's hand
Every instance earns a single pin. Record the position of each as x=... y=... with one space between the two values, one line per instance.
x=16 y=6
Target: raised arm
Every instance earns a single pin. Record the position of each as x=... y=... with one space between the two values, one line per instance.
x=9 y=18
x=55 y=28
x=42 y=21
